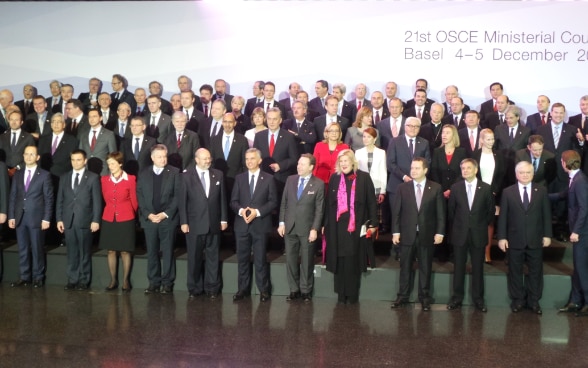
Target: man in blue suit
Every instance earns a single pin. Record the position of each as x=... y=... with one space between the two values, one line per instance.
x=29 y=212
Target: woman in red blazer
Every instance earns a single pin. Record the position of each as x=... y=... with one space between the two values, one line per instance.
x=118 y=220
x=326 y=152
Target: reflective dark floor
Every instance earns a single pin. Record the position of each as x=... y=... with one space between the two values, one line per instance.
x=53 y=328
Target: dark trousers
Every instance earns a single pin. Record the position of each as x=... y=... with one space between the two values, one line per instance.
x=79 y=255
x=580 y=275
x=160 y=238
x=300 y=278
x=525 y=290
x=199 y=246
x=30 y=243
x=477 y=260
x=256 y=242
x=423 y=250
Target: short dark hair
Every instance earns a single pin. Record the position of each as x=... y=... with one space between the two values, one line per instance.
x=423 y=160
x=310 y=157
x=536 y=138
x=77 y=103
x=497 y=84
x=206 y=87
x=469 y=160
x=571 y=159
x=323 y=83
x=78 y=151
x=117 y=156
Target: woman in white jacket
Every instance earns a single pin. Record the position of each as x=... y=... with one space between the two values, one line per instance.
x=372 y=160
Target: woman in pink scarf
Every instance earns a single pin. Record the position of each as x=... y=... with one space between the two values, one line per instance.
x=351 y=204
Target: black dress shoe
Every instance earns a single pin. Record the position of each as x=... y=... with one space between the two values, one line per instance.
x=537 y=309
x=264 y=297
x=82 y=286
x=20 y=283
x=516 y=308
x=582 y=312
x=112 y=287
x=195 y=294
x=38 y=284
x=152 y=289
x=293 y=296
x=426 y=306
x=69 y=286
x=453 y=305
x=240 y=295
x=166 y=290
x=570 y=308
x=399 y=303
x=306 y=297
x=211 y=295
x=481 y=307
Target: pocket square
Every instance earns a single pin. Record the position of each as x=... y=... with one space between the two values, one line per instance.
x=218 y=183
x=309 y=193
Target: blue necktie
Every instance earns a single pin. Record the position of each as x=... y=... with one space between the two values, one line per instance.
x=525 y=198
x=252 y=185
x=227 y=147
x=300 y=188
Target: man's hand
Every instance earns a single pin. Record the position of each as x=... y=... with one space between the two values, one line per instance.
x=396 y=239
x=185 y=228
x=546 y=242
x=281 y=230
x=94 y=226
x=60 y=226
x=503 y=245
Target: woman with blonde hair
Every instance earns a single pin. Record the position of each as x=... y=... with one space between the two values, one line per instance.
x=327 y=151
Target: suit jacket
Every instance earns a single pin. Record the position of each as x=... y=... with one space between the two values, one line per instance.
x=578 y=204
x=84 y=98
x=203 y=214
x=105 y=144
x=320 y=124
x=283 y=111
x=49 y=101
x=385 y=115
x=534 y=121
x=546 y=170
x=227 y=98
x=111 y=120
x=285 y=153
x=81 y=126
x=127 y=97
x=464 y=140
x=317 y=105
x=196 y=118
x=250 y=105
x=265 y=200
x=399 y=158
x=430 y=217
x=305 y=137
x=204 y=130
x=14 y=156
x=82 y=206
x=31 y=124
x=410 y=104
x=60 y=162
x=121 y=199
x=502 y=138
x=113 y=126
x=4 y=188
x=133 y=165
x=425 y=114
x=567 y=141
x=171 y=184
x=492 y=120
x=3 y=123
x=365 y=103
x=184 y=155
x=307 y=212
x=348 y=111
x=234 y=164
x=164 y=126
x=287 y=104
x=385 y=129
x=463 y=221
x=486 y=108
x=21 y=105
x=38 y=200
x=522 y=227
x=499 y=170
x=59 y=107
x=432 y=134
x=466 y=108
x=325 y=160
x=449 y=119
x=446 y=174
x=576 y=121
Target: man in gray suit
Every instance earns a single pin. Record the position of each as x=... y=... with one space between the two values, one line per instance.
x=78 y=213
x=301 y=216
x=98 y=142
x=181 y=143
x=14 y=141
x=158 y=123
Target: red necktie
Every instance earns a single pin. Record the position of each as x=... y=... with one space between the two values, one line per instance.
x=272 y=145
x=419 y=115
x=206 y=110
x=495 y=107
x=542 y=119
x=358 y=105
x=179 y=139
x=93 y=143
x=377 y=118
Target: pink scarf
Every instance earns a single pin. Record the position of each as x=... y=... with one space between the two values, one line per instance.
x=342 y=201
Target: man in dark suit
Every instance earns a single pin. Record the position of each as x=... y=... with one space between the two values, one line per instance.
x=185 y=85
x=67 y=92
x=450 y=93
x=55 y=98
x=269 y=91
x=277 y=148
x=302 y=96
x=228 y=151
x=4 y=191
x=457 y=113
x=220 y=88
x=158 y=190
x=469 y=137
x=344 y=108
x=287 y=102
x=77 y=121
x=542 y=160
x=78 y=214
x=38 y=122
x=303 y=129
x=577 y=196
x=6 y=98
x=194 y=116
x=431 y=131
x=30 y=211
x=121 y=126
x=257 y=97
x=498 y=117
x=300 y=220
x=90 y=99
x=421 y=108
x=181 y=143
x=470 y=211
x=390 y=89
x=509 y=138
x=379 y=111
x=253 y=199
x=581 y=121
x=109 y=116
x=97 y=142
x=203 y=215
x=421 y=84
x=120 y=94
x=320 y=123
x=137 y=149
x=419 y=202
x=156 y=88
x=542 y=116
x=360 y=101
x=212 y=126
x=490 y=106
x=14 y=141
x=26 y=104
x=158 y=124
x=524 y=228
x=392 y=126
x=140 y=97
x=321 y=87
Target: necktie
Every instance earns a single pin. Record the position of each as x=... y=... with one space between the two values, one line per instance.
x=556 y=136
x=419 y=115
x=152 y=127
x=543 y=120
x=227 y=148
x=394 y=128
x=138 y=111
x=28 y=181
x=511 y=135
x=27 y=105
x=495 y=107
x=267 y=108
x=74 y=125
x=203 y=181
x=411 y=148
x=472 y=140
x=525 y=198
x=179 y=142
x=13 y=144
x=213 y=133
x=358 y=105
x=93 y=142
x=54 y=145
x=122 y=131
x=298 y=124
x=105 y=115
x=117 y=96
x=300 y=188
x=501 y=117
x=206 y=110
x=584 y=121
x=323 y=103
x=377 y=118
x=187 y=115
x=470 y=196
x=272 y=145
x=136 y=150
x=535 y=166
x=55 y=100
x=455 y=120
x=41 y=124
x=419 y=196
x=252 y=185
x=76 y=181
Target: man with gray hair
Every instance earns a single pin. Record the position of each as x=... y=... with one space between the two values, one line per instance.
x=344 y=108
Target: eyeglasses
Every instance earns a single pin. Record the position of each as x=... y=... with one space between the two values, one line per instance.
x=412 y=126
x=333 y=131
